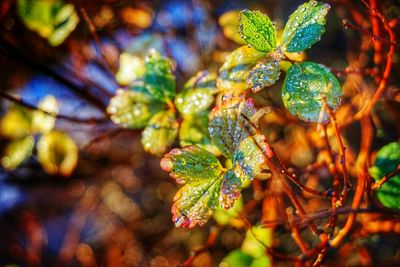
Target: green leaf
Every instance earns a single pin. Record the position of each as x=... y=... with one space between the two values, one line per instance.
x=57 y=153
x=255 y=241
x=236 y=258
x=204 y=191
x=264 y=74
x=238 y=64
x=65 y=22
x=191 y=164
x=130 y=68
x=225 y=217
x=305 y=26
x=198 y=94
x=229 y=126
x=160 y=132
x=158 y=78
x=305 y=85
x=194 y=131
x=16 y=123
x=249 y=159
x=16 y=152
x=133 y=108
x=51 y=19
x=387 y=160
x=42 y=122
x=257 y=30
x=262 y=261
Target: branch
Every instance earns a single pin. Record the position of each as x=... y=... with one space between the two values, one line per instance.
x=385 y=178
x=27 y=105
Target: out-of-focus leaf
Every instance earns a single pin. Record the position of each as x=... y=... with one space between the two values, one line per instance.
x=236 y=258
x=158 y=78
x=204 y=191
x=258 y=31
x=255 y=241
x=235 y=70
x=225 y=217
x=65 y=21
x=194 y=131
x=160 y=132
x=130 y=68
x=58 y=153
x=387 y=160
x=42 y=122
x=133 y=108
x=305 y=85
x=262 y=261
x=305 y=26
x=249 y=158
x=198 y=93
x=51 y=19
x=229 y=22
x=16 y=152
x=16 y=123
x=264 y=74
x=229 y=126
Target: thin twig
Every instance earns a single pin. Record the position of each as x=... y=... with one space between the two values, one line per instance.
x=27 y=105
x=385 y=178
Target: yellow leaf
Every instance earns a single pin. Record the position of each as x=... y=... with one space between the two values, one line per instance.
x=17 y=152
x=16 y=123
x=130 y=68
x=235 y=70
x=58 y=153
x=229 y=22
x=42 y=122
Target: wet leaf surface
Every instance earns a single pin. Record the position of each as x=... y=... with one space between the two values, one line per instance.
x=236 y=68
x=305 y=26
x=229 y=126
x=160 y=133
x=198 y=94
x=208 y=185
x=257 y=30
x=305 y=86
x=133 y=108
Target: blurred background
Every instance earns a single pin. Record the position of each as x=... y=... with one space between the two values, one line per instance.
x=114 y=209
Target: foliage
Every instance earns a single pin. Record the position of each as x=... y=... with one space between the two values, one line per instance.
x=57 y=152
x=51 y=19
x=387 y=158
x=283 y=173
x=258 y=67
x=231 y=127
x=151 y=102
x=209 y=185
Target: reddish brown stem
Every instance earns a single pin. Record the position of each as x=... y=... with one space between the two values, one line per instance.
x=385 y=178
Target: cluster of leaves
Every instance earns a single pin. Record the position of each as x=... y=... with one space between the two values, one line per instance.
x=259 y=64
x=56 y=151
x=151 y=102
x=208 y=184
x=51 y=19
x=232 y=125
